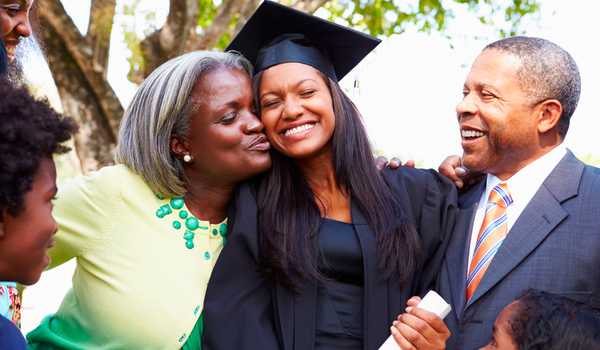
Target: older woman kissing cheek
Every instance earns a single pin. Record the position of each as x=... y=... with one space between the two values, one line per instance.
x=147 y=232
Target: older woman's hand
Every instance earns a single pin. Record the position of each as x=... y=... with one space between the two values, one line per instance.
x=418 y=329
x=381 y=162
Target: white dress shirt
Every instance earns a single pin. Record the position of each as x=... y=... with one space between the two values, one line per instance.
x=522 y=186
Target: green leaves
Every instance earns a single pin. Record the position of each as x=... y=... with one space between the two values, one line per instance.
x=377 y=17
x=380 y=17
x=208 y=11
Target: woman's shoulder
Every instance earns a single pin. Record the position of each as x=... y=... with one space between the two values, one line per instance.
x=424 y=189
x=106 y=181
x=99 y=192
x=416 y=179
x=112 y=175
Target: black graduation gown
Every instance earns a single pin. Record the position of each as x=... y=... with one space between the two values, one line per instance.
x=243 y=310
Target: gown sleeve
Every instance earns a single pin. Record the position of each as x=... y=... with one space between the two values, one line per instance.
x=238 y=309
x=432 y=208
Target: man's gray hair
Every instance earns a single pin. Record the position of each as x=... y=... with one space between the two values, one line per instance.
x=159 y=110
x=547 y=72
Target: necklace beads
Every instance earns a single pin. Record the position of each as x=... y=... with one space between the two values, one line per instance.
x=190 y=222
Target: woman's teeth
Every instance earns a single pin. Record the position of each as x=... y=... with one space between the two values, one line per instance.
x=298 y=129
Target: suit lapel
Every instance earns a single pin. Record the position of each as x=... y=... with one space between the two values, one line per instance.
x=456 y=259
x=535 y=223
x=543 y=213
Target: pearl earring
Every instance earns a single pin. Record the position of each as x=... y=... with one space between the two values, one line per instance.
x=187 y=158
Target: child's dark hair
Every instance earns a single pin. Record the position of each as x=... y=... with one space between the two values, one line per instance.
x=545 y=321
x=30 y=130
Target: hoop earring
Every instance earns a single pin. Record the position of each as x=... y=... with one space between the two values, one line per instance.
x=187 y=158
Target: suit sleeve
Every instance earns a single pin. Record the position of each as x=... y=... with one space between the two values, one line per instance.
x=432 y=207
x=238 y=309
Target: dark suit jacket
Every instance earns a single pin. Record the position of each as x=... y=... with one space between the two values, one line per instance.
x=243 y=310
x=553 y=246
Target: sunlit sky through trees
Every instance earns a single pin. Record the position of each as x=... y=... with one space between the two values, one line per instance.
x=408 y=88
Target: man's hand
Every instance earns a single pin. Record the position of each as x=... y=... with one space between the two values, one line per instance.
x=452 y=168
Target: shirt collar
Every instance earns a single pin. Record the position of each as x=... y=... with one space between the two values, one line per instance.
x=523 y=185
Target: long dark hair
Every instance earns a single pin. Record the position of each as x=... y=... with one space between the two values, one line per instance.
x=289 y=217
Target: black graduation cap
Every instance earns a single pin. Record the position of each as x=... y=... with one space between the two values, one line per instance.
x=3 y=59
x=278 y=34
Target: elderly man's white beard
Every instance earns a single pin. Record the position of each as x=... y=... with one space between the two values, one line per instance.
x=15 y=67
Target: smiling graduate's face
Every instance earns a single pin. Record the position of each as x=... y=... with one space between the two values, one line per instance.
x=297 y=110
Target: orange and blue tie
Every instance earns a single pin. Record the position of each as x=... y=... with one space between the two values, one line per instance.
x=491 y=235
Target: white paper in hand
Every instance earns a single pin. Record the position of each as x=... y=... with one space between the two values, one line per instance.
x=431 y=302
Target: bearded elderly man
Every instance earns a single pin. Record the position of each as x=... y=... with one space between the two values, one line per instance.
x=534 y=220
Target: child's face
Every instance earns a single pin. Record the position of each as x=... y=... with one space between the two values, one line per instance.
x=502 y=336
x=25 y=238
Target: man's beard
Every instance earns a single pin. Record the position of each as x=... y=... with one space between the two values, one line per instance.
x=14 y=72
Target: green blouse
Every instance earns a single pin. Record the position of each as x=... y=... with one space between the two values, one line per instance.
x=143 y=266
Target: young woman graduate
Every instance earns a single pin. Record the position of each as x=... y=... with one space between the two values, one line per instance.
x=326 y=252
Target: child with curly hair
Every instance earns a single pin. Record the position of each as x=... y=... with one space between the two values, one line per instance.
x=30 y=134
x=543 y=321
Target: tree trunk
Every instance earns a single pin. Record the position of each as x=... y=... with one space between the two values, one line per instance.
x=169 y=41
x=79 y=71
x=179 y=34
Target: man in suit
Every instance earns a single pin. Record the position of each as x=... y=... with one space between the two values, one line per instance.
x=534 y=220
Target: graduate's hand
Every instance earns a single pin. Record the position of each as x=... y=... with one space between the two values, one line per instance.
x=381 y=162
x=418 y=329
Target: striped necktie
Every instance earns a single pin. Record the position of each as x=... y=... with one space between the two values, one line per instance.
x=493 y=231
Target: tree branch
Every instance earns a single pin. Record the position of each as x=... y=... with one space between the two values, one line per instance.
x=220 y=24
x=169 y=41
x=84 y=91
x=309 y=6
x=99 y=30
x=247 y=10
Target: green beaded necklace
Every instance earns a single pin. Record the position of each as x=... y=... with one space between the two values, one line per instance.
x=191 y=222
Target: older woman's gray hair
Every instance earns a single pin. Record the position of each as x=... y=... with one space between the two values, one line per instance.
x=159 y=110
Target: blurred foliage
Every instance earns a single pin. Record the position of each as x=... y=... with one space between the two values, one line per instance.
x=378 y=17
x=132 y=38
x=591 y=159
